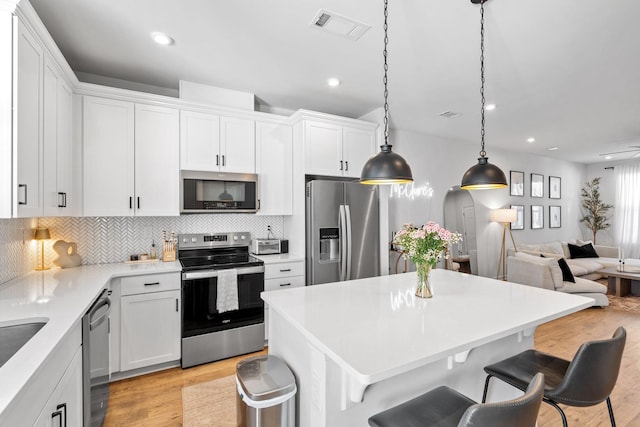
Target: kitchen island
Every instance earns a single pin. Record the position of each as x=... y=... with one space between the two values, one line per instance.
x=362 y=346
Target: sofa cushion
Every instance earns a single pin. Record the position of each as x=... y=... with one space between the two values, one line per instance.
x=567 y=276
x=549 y=248
x=583 y=286
x=583 y=266
x=549 y=261
x=585 y=251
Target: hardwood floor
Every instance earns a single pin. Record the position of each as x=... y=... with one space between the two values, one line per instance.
x=156 y=399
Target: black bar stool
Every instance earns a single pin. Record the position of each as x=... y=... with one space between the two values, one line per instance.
x=585 y=381
x=445 y=407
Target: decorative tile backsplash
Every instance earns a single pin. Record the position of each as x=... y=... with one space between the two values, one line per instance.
x=103 y=240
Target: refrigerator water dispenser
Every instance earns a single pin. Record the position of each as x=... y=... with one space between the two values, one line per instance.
x=329 y=244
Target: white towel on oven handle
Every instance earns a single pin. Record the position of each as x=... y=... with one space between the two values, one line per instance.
x=227 y=299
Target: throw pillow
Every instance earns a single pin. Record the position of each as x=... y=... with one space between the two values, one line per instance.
x=567 y=275
x=586 y=251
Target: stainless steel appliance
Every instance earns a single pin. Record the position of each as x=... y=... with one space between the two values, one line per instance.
x=95 y=361
x=265 y=246
x=208 y=334
x=209 y=192
x=342 y=231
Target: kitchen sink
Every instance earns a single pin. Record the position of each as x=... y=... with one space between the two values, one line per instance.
x=13 y=337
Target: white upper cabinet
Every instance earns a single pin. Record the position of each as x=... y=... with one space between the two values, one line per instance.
x=274 y=166
x=336 y=150
x=130 y=159
x=27 y=122
x=157 y=174
x=58 y=143
x=108 y=157
x=209 y=142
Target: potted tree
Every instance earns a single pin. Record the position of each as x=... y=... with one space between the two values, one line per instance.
x=596 y=211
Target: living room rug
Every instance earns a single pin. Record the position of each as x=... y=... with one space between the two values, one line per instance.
x=627 y=303
x=210 y=404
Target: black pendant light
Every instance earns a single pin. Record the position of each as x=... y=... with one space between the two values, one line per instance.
x=386 y=167
x=484 y=175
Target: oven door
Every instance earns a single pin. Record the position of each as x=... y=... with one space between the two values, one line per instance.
x=199 y=294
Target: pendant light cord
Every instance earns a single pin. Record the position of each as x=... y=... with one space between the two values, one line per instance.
x=482 y=152
x=384 y=79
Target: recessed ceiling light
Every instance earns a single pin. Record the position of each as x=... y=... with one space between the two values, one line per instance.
x=552 y=148
x=490 y=107
x=333 y=82
x=530 y=140
x=161 y=38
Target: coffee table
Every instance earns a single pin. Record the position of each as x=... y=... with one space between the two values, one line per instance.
x=621 y=280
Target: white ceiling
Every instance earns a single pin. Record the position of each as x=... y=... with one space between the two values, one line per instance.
x=566 y=72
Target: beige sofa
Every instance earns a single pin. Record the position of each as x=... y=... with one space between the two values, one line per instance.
x=545 y=273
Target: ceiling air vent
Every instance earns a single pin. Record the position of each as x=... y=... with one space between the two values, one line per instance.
x=339 y=25
x=449 y=114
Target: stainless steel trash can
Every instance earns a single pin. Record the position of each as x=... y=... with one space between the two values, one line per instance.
x=266 y=393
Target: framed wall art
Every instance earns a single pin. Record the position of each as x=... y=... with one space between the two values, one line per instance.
x=537 y=185
x=555 y=217
x=516 y=183
x=554 y=187
x=537 y=217
x=519 y=223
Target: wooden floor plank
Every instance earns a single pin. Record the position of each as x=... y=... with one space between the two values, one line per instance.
x=156 y=399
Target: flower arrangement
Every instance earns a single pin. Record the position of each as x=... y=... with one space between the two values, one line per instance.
x=425 y=244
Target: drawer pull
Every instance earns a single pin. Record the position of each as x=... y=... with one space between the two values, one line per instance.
x=152 y=284
x=285 y=284
x=285 y=270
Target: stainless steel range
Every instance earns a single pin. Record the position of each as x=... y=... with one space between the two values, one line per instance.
x=213 y=265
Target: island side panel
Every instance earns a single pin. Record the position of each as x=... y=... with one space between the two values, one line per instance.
x=321 y=392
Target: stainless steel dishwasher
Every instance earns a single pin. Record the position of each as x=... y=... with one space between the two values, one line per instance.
x=95 y=361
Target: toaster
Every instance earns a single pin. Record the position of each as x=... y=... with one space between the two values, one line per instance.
x=265 y=246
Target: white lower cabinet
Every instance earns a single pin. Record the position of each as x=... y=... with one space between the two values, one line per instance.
x=149 y=320
x=283 y=275
x=64 y=407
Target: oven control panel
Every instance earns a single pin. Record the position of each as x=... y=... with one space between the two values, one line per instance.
x=213 y=240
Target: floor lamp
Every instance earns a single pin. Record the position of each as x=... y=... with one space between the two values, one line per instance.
x=504 y=217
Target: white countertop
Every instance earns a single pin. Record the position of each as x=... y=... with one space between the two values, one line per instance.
x=280 y=258
x=376 y=328
x=60 y=297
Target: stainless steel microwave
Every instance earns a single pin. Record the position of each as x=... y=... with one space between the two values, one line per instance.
x=210 y=192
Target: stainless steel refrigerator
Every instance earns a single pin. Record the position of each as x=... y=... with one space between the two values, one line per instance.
x=342 y=231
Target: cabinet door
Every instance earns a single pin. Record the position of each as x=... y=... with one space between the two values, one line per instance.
x=357 y=146
x=157 y=150
x=199 y=141
x=274 y=166
x=66 y=401
x=237 y=145
x=150 y=329
x=108 y=157
x=58 y=142
x=323 y=149
x=28 y=148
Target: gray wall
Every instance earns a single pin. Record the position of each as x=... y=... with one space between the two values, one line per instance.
x=439 y=164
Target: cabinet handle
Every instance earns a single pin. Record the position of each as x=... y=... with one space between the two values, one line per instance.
x=57 y=414
x=258 y=203
x=285 y=284
x=130 y=202
x=223 y=163
x=60 y=200
x=340 y=164
x=138 y=202
x=217 y=159
x=346 y=165
x=152 y=284
x=25 y=193
x=285 y=270
x=63 y=406
x=176 y=305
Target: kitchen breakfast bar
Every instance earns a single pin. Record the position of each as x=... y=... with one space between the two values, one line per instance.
x=362 y=346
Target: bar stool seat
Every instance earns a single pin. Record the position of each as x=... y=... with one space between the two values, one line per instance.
x=445 y=407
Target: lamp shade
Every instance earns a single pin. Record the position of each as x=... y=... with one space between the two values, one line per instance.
x=483 y=176
x=503 y=215
x=386 y=167
x=41 y=233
